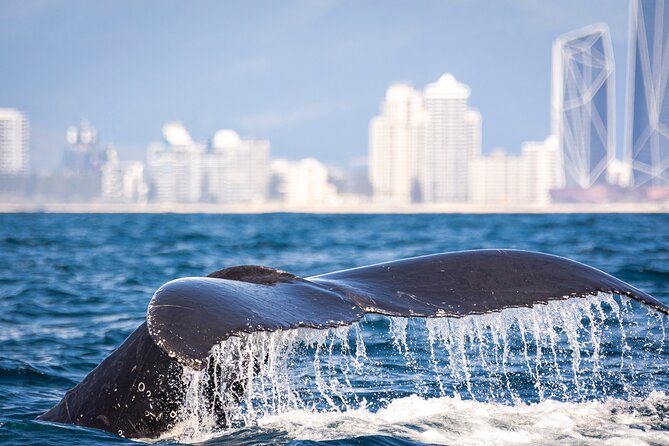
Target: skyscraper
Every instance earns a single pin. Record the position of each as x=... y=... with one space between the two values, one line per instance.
x=396 y=144
x=647 y=126
x=452 y=139
x=583 y=104
x=13 y=142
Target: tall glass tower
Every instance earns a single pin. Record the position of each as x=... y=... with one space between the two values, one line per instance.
x=647 y=126
x=583 y=104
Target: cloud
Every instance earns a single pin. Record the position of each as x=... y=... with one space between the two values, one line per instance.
x=285 y=118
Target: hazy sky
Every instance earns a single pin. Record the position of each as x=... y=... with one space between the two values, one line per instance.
x=308 y=75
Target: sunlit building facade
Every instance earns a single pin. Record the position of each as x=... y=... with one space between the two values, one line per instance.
x=647 y=126
x=303 y=183
x=452 y=140
x=525 y=179
x=175 y=170
x=231 y=171
x=13 y=142
x=542 y=170
x=122 y=181
x=583 y=102
x=396 y=141
x=236 y=170
x=496 y=179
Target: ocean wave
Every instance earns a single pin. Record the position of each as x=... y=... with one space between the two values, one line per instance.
x=22 y=373
x=452 y=420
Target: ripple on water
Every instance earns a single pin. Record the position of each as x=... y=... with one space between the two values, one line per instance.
x=72 y=287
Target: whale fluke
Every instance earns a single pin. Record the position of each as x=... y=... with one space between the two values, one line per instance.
x=187 y=317
x=131 y=392
x=474 y=282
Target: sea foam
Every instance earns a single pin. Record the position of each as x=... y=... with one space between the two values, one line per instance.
x=553 y=368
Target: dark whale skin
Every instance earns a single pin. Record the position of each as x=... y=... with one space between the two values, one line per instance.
x=136 y=392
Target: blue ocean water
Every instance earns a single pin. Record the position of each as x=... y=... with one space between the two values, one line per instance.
x=73 y=287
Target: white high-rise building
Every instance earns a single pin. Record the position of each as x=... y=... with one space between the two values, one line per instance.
x=396 y=140
x=497 y=179
x=527 y=179
x=304 y=182
x=175 y=170
x=236 y=170
x=583 y=101
x=122 y=181
x=452 y=139
x=542 y=169
x=473 y=128
x=13 y=142
x=110 y=180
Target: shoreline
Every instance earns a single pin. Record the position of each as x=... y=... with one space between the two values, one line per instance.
x=361 y=209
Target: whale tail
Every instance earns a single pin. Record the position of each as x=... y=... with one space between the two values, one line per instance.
x=187 y=317
x=134 y=391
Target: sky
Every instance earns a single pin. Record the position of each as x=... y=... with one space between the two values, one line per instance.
x=306 y=74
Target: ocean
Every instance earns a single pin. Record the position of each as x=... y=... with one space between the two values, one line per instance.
x=584 y=371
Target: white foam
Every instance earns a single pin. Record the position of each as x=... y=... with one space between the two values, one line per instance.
x=470 y=379
x=452 y=420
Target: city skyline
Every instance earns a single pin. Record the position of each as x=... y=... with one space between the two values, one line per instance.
x=424 y=146
x=307 y=109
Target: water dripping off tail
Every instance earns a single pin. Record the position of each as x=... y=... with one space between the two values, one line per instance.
x=571 y=351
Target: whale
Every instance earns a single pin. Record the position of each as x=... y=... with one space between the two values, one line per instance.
x=136 y=393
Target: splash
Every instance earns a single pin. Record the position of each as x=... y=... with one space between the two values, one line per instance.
x=564 y=352
x=452 y=420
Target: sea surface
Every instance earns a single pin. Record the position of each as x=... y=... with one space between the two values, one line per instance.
x=587 y=371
